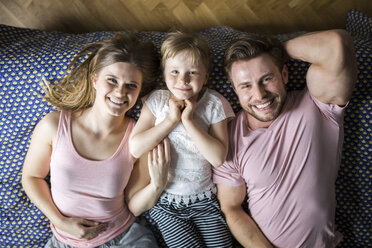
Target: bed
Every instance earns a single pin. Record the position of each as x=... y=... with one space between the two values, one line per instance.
x=27 y=55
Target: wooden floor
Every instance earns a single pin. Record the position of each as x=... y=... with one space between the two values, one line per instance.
x=264 y=16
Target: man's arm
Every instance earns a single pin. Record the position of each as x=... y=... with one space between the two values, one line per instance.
x=332 y=74
x=240 y=223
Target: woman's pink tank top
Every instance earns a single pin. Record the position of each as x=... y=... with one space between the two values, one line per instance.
x=90 y=189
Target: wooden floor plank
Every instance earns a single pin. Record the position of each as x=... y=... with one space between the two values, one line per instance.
x=269 y=16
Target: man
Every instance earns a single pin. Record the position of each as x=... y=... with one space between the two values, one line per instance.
x=285 y=148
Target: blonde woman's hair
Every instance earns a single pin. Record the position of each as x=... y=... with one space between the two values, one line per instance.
x=195 y=44
x=76 y=92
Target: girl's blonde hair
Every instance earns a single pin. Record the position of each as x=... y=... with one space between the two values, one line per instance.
x=195 y=44
x=76 y=92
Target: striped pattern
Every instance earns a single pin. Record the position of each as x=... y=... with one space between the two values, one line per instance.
x=199 y=224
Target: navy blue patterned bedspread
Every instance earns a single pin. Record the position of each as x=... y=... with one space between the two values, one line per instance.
x=28 y=55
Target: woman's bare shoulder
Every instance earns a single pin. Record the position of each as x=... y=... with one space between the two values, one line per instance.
x=48 y=124
x=51 y=119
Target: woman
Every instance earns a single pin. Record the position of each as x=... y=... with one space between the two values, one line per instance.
x=84 y=146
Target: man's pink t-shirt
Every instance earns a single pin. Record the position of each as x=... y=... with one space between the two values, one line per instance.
x=89 y=189
x=290 y=170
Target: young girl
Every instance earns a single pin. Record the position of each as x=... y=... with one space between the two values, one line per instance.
x=85 y=148
x=194 y=119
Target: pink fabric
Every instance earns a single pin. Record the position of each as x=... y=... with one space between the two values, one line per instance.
x=90 y=189
x=290 y=170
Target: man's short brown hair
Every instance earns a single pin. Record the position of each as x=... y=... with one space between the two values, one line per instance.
x=248 y=46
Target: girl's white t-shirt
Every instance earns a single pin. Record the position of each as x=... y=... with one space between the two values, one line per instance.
x=190 y=174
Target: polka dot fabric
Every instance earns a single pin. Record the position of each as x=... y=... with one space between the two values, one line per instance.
x=28 y=55
x=353 y=185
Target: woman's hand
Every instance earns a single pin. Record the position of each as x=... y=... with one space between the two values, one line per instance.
x=158 y=165
x=149 y=179
x=81 y=228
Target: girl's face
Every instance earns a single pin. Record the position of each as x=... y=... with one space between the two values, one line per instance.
x=184 y=78
x=117 y=87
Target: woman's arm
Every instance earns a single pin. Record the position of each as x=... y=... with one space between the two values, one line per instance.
x=36 y=168
x=148 y=179
x=213 y=145
x=145 y=135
